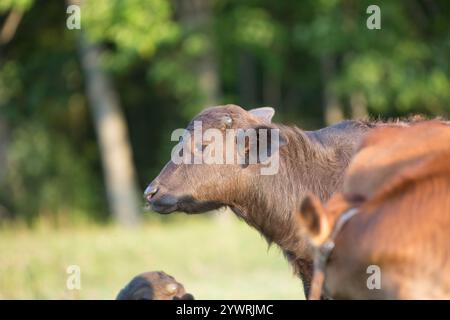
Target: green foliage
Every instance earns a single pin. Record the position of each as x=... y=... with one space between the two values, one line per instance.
x=10 y=83
x=46 y=177
x=400 y=67
x=265 y=52
x=136 y=28
x=6 y=5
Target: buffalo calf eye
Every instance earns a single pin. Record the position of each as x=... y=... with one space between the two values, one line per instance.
x=200 y=147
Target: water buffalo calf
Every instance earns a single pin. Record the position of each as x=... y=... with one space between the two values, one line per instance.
x=309 y=161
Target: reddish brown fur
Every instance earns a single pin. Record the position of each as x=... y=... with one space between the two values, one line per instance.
x=400 y=181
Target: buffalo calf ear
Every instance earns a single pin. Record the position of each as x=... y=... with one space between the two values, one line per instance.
x=263 y=141
x=282 y=140
x=312 y=220
x=270 y=135
x=265 y=114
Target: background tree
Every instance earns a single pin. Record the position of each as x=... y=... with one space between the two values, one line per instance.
x=314 y=61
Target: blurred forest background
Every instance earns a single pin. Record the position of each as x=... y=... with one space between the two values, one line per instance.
x=86 y=115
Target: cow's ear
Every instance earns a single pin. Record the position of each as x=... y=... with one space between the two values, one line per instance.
x=262 y=143
x=312 y=220
x=264 y=114
x=270 y=138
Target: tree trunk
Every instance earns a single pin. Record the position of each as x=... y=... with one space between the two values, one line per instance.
x=111 y=128
x=332 y=107
x=10 y=26
x=7 y=33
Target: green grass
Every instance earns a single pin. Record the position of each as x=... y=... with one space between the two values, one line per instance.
x=216 y=258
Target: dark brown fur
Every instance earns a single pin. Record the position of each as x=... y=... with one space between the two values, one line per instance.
x=155 y=285
x=311 y=161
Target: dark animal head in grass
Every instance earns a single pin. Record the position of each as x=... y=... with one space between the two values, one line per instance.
x=220 y=178
x=155 y=285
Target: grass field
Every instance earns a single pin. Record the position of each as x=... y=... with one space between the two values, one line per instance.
x=215 y=258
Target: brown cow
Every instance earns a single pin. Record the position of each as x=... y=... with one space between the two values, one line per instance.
x=155 y=285
x=310 y=161
x=397 y=193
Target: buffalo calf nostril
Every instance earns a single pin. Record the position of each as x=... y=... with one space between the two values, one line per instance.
x=150 y=192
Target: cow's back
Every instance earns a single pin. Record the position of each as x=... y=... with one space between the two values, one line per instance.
x=402 y=227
